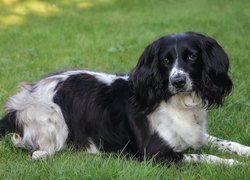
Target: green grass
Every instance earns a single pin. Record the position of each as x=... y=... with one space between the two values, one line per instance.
x=40 y=37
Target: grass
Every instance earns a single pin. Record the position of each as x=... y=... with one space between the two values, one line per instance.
x=39 y=37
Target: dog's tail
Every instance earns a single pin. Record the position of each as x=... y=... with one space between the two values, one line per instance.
x=8 y=123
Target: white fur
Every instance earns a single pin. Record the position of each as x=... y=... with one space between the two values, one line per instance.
x=229 y=146
x=209 y=159
x=106 y=78
x=43 y=126
x=39 y=155
x=92 y=149
x=180 y=122
x=102 y=77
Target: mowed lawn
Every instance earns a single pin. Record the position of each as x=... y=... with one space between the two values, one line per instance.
x=39 y=37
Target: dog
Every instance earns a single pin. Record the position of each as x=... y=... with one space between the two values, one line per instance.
x=158 y=110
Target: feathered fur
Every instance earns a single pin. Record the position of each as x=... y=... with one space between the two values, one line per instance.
x=158 y=109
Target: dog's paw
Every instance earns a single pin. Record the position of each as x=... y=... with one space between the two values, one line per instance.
x=231 y=162
x=210 y=159
x=40 y=155
x=245 y=150
x=236 y=148
x=230 y=146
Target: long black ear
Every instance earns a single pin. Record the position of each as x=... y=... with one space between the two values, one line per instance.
x=146 y=80
x=216 y=81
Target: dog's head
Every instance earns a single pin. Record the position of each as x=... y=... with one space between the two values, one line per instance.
x=181 y=63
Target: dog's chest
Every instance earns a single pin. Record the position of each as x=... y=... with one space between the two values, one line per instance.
x=180 y=122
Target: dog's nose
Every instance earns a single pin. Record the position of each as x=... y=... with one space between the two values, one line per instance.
x=178 y=81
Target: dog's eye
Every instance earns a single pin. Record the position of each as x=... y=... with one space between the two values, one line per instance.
x=192 y=57
x=167 y=61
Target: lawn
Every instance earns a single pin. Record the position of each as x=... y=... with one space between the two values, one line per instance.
x=39 y=37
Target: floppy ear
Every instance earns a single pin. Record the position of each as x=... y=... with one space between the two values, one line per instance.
x=146 y=80
x=216 y=82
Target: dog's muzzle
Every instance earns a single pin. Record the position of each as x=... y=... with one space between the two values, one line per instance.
x=180 y=82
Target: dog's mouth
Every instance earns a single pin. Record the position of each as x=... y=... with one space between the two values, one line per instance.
x=175 y=91
x=181 y=91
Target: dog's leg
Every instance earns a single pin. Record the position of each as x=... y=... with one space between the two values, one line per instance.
x=229 y=146
x=44 y=130
x=161 y=151
x=37 y=154
x=207 y=158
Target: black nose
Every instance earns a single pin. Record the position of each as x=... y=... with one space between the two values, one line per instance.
x=178 y=81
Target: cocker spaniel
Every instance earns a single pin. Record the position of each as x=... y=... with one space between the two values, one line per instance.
x=157 y=110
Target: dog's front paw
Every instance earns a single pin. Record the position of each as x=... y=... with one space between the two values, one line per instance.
x=230 y=146
x=244 y=150
x=236 y=148
x=232 y=162
x=211 y=159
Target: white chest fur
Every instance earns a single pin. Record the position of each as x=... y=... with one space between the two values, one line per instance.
x=181 y=122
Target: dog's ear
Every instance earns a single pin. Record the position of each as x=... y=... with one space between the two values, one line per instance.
x=146 y=80
x=216 y=81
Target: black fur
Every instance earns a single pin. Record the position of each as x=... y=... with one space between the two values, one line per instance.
x=146 y=80
x=104 y=114
x=216 y=84
x=8 y=124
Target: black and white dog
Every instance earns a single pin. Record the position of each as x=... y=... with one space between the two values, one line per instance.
x=157 y=110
